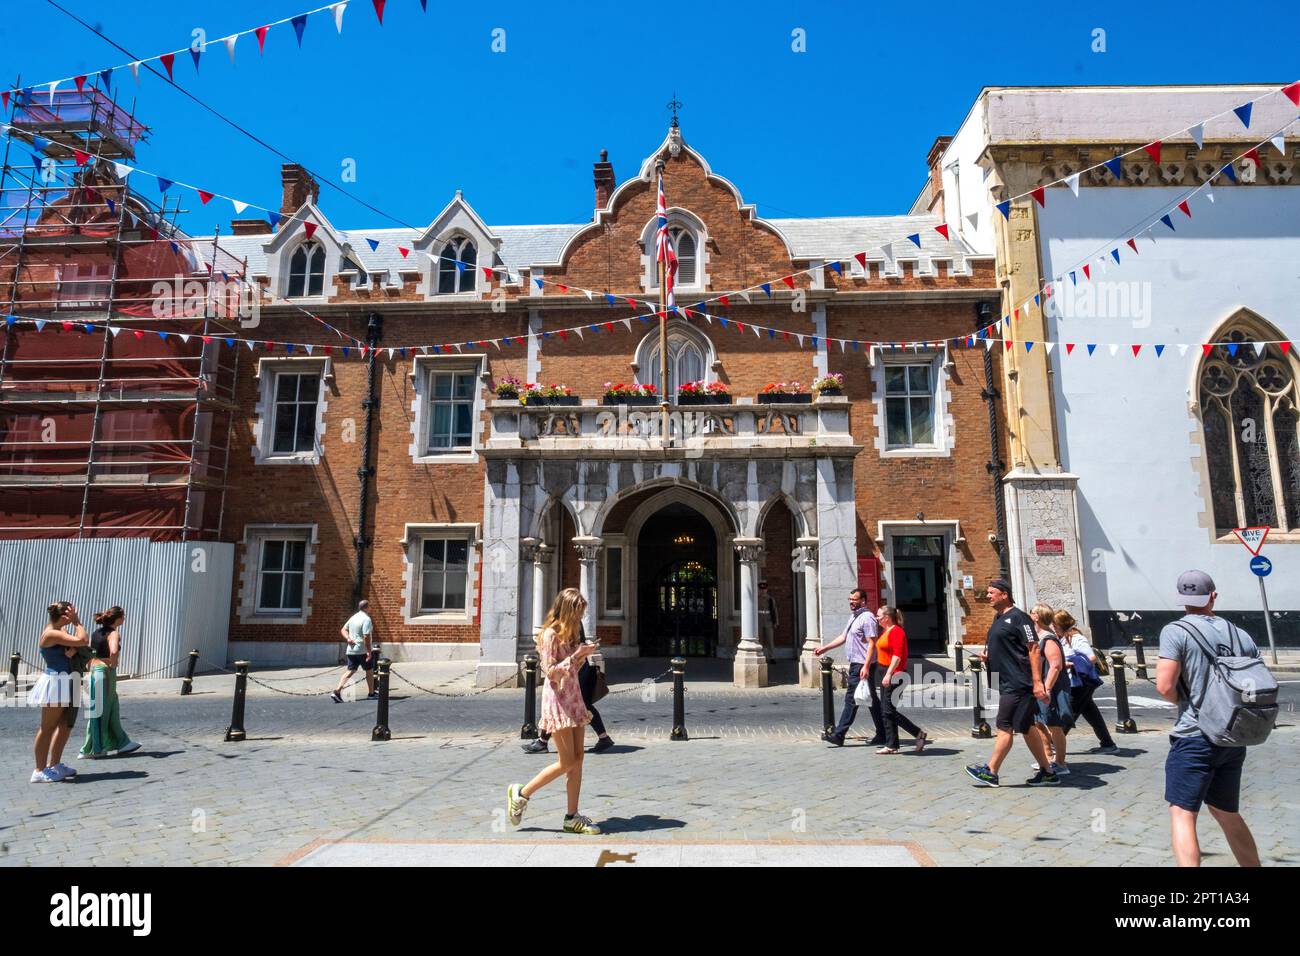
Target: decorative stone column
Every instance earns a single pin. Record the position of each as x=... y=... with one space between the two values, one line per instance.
x=750 y=667
x=532 y=549
x=589 y=584
x=806 y=560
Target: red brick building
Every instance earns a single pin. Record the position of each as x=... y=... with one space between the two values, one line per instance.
x=478 y=508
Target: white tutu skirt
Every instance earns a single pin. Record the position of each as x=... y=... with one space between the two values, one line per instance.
x=55 y=690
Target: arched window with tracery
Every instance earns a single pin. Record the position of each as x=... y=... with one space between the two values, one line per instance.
x=456 y=267
x=306 y=271
x=1250 y=413
x=687 y=360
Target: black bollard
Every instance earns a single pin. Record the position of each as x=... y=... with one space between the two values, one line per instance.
x=1141 y=668
x=235 y=731
x=828 y=695
x=187 y=682
x=956 y=656
x=979 y=726
x=381 y=731
x=679 y=699
x=1123 y=721
x=529 y=730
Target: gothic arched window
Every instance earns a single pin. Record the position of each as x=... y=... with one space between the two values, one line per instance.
x=687 y=360
x=1249 y=413
x=456 y=267
x=307 y=271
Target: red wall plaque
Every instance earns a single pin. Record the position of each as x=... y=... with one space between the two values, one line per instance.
x=1049 y=546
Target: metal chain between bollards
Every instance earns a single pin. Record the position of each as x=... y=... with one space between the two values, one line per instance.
x=437 y=693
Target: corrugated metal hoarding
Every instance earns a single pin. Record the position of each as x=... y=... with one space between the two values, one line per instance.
x=176 y=596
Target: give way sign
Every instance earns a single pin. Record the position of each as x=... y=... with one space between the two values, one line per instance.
x=1252 y=538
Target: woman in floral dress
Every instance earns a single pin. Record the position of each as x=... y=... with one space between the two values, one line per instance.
x=564 y=715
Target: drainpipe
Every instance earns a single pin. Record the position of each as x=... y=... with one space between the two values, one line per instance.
x=374 y=331
x=995 y=465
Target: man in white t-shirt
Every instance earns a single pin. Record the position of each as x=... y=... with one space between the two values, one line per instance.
x=357 y=633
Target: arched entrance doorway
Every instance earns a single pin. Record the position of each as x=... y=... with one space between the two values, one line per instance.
x=677 y=594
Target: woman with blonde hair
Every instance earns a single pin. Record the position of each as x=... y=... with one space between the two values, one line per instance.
x=104 y=734
x=564 y=715
x=55 y=692
x=1084 y=678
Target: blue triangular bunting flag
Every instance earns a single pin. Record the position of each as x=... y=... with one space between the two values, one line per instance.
x=195 y=53
x=813 y=339
x=1074 y=279
x=374 y=244
x=1115 y=254
x=164 y=184
x=1168 y=222
x=767 y=287
x=1230 y=172
x=723 y=321
x=1037 y=296
x=106 y=77
x=274 y=218
x=460 y=266
x=1092 y=347
x=299 y=24
x=1029 y=346
x=1114 y=166
x=1004 y=207
x=610 y=299
x=1159 y=350
x=838 y=267
x=1243 y=114
x=230 y=342
x=915 y=238
x=539 y=283
x=1232 y=349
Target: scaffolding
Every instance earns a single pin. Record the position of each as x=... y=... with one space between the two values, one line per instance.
x=117 y=397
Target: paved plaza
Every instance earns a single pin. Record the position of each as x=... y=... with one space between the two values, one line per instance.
x=753 y=785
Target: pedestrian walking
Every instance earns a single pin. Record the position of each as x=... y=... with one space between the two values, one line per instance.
x=56 y=691
x=588 y=677
x=104 y=734
x=1198 y=771
x=357 y=633
x=1055 y=716
x=1012 y=656
x=1081 y=661
x=564 y=715
x=859 y=635
x=891 y=661
x=767 y=620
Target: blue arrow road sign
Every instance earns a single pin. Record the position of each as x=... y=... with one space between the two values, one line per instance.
x=1261 y=565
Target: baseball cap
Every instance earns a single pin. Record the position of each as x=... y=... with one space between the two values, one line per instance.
x=1194 y=588
x=1001 y=584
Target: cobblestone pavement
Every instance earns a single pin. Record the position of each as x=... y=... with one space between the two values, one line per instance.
x=308 y=785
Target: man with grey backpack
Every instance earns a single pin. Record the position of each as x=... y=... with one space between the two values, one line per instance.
x=1227 y=701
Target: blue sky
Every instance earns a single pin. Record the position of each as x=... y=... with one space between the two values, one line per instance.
x=424 y=106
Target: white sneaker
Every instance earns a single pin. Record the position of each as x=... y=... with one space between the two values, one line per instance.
x=1060 y=769
x=44 y=776
x=130 y=748
x=516 y=804
x=64 y=771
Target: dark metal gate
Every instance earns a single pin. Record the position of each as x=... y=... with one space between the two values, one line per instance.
x=679 y=616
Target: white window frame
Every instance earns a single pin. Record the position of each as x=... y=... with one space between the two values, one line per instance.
x=325 y=276
x=614 y=542
x=413 y=556
x=250 y=576
x=942 y=446
x=687 y=222
x=468 y=275
x=268 y=371
x=422 y=371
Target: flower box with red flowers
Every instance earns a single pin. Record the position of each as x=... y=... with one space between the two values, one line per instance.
x=704 y=393
x=622 y=394
x=784 y=393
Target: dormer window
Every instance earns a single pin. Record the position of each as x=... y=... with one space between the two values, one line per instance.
x=456 y=267
x=684 y=243
x=307 y=271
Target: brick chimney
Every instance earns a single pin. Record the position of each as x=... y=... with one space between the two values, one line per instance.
x=934 y=159
x=250 y=227
x=603 y=172
x=298 y=187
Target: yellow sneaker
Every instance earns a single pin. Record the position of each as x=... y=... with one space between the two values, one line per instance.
x=580 y=824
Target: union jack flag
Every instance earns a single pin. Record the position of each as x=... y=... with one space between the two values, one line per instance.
x=664 y=251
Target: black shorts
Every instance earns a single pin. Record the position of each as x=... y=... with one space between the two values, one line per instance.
x=364 y=661
x=1196 y=772
x=1016 y=711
